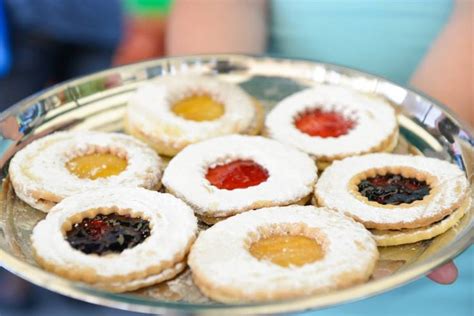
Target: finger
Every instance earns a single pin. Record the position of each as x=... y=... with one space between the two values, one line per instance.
x=445 y=274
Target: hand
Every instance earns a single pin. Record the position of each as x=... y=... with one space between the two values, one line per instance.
x=144 y=38
x=445 y=274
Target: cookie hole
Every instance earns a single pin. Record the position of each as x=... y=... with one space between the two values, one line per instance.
x=287 y=245
x=322 y=123
x=236 y=174
x=97 y=163
x=198 y=107
x=106 y=232
x=393 y=186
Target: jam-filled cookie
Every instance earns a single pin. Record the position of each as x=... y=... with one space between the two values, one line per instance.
x=403 y=199
x=66 y=163
x=281 y=252
x=173 y=112
x=227 y=175
x=117 y=239
x=330 y=123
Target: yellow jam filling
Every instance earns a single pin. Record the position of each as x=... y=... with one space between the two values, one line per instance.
x=287 y=250
x=96 y=166
x=198 y=108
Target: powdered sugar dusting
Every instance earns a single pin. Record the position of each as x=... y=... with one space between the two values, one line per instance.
x=292 y=174
x=140 y=283
x=220 y=255
x=332 y=188
x=41 y=166
x=149 y=110
x=163 y=211
x=375 y=121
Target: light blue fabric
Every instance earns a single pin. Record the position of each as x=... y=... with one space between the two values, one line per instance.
x=388 y=38
x=385 y=37
x=422 y=297
x=4 y=47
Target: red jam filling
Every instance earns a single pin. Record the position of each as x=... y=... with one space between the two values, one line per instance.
x=111 y=233
x=393 y=189
x=323 y=124
x=238 y=174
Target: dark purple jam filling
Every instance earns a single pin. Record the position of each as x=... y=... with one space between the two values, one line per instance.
x=111 y=233
x=393 y=189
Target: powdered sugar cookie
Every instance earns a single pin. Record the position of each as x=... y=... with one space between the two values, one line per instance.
x=330 y=122
x=395 y=192
x=117 y=239
x=66 y=163
x=280 y=253
x=173 y=112
x=227 y=175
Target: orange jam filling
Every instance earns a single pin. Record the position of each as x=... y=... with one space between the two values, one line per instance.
x=96 y=166
x=238 y=174
x=323 y=124
x=287 y=250
x=198 y=108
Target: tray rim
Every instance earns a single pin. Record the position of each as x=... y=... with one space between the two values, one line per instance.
x=76 y=290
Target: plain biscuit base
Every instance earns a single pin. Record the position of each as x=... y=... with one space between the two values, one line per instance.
x=167 y=274
x=408 y=236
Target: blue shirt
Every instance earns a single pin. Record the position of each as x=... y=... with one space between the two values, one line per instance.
x=388 y=38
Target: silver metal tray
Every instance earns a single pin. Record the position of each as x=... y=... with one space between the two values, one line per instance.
x=97 y=102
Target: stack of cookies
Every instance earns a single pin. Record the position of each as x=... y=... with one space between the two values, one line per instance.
x=109 y=224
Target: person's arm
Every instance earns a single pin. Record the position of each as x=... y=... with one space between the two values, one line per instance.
x=448 y=70
x=216 y=26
